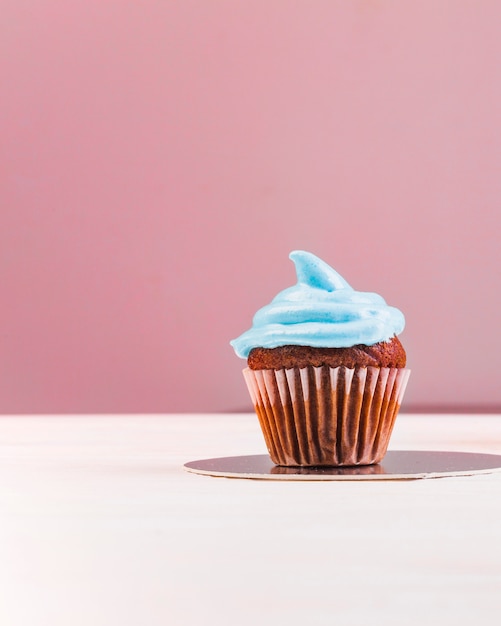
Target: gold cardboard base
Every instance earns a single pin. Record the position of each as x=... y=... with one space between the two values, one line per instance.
x=396 y=465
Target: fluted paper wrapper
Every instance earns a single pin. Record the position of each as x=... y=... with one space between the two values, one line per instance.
x=327 y=416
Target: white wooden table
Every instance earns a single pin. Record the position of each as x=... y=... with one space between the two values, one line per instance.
x=100 y=525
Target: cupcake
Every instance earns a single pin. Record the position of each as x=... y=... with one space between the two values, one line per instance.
x=325 y=370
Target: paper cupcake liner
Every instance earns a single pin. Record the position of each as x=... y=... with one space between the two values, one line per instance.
x=327 y=416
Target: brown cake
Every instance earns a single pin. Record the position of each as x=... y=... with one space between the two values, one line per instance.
x=382 y=354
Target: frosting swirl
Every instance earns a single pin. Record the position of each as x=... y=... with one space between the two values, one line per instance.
x=321 y=311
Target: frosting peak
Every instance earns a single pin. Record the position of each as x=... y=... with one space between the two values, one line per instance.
x=321 y=310
x=312 y=271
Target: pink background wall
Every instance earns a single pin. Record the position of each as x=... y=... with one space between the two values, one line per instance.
x=160 y=159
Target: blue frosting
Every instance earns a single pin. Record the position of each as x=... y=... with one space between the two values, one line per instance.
x=322 y=311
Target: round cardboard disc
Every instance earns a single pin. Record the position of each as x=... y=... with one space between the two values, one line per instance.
x=396 y=465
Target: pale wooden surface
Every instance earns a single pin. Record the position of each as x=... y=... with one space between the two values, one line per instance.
x=100 y=525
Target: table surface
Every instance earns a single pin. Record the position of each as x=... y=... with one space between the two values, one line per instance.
x=100 y=524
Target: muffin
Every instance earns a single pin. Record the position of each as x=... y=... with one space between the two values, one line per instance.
x=326 y=371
